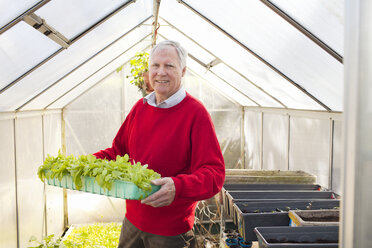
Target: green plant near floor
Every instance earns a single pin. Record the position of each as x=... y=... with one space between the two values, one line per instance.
x=96 y=235
x=47 y=242
x=105 y=235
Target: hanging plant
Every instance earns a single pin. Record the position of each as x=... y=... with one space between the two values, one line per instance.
x=138 y=74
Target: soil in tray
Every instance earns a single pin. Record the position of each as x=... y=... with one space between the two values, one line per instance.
x=277 y=210
x=319 y=241
x=322 y=219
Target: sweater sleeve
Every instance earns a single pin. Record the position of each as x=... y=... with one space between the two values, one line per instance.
x=207 y=171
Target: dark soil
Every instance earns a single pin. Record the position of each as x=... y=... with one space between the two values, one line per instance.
x=319 y=241
x=322 y=219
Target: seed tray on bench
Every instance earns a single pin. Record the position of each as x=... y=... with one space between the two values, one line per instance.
x=297 y=237
x=120 y=189
x=269 y=187
x=319 y=217
x=263 y=214
x=272 y=195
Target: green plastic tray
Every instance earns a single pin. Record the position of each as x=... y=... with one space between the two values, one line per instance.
x=120 y=189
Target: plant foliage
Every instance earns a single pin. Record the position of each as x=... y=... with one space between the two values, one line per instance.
x=97 y=235
x=138 y=67
x=105 y=235
x=104 y=172
x=47 y=242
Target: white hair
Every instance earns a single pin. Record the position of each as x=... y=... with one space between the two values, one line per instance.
x=182 y=53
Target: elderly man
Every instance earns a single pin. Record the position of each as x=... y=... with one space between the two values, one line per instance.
x=173 y=133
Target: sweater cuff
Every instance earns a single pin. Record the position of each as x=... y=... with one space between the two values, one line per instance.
x=179 y=186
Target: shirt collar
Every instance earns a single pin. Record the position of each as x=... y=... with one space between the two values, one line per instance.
x=171 y=101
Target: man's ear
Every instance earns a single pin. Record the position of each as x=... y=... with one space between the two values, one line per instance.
x=183 y=71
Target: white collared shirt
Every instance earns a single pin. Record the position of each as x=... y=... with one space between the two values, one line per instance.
x=171 y=101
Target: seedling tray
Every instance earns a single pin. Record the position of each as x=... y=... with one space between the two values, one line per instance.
x=275 y=186
x=262 y=214
x=314 y=217
x=298 y=237
x=120 y=189
x=254 y=187
x=245 y=196
x=245 y=176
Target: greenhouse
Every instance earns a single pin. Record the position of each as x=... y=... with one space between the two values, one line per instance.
x=285 y=83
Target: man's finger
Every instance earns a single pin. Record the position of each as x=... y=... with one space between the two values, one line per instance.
x=159 y=181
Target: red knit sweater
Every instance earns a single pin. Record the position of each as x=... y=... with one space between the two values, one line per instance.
x=178 y=142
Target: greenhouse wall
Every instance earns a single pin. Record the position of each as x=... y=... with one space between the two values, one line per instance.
x=251 y=138
x=8 y=206
x=294 y=140
x=26 y=137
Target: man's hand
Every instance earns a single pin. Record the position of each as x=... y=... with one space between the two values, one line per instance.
x=164 y=196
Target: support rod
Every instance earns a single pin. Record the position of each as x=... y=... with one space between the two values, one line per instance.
x=155 y=23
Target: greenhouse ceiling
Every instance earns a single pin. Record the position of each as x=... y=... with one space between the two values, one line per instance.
x=261 y=53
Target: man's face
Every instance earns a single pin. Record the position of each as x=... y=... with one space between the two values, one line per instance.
x=165 y=72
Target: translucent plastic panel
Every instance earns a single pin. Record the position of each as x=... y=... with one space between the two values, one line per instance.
x=221 y=70
x=10 y=9
x=89 y=68
x=253 y=141
x=92 y=121
x=253 y=92
x=192 y=48
x=323 y=18
x=54 y=201
x=227 y=124
x=100 y=106
x=275 y=141
x=8 y=210
x=69 y=59
x=21 y=48
x=97 y=76
x=29 y=156
x=281 y=45
x=234 y=55
x=226 y=117
x=337 y=157
x=309 y=147
x=81 y=14
x=231 y=93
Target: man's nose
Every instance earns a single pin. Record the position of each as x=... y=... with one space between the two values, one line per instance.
x=162 y=71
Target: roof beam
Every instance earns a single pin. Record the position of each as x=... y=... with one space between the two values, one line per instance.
x=303 y=30
x=256 y=55
x=155 y=23
x=20 y=18
x=40 y=25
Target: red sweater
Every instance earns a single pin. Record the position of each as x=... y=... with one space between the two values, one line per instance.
x=178 y=142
